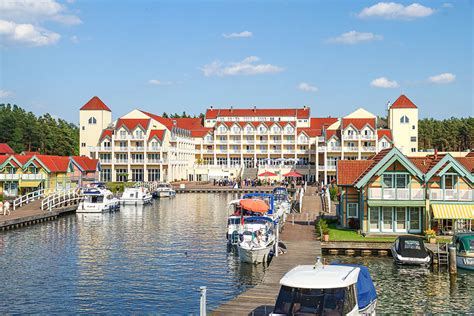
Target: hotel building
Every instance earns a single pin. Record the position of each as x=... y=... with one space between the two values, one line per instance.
x=230 y=142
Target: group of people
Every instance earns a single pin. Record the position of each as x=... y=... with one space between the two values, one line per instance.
x=5 y=208
x=256 y=182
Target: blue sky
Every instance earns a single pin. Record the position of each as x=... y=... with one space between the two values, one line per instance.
x=174 y=56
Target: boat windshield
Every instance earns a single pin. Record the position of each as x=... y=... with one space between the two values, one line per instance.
x=297 y=301
x=95 y=198
x=233 y=221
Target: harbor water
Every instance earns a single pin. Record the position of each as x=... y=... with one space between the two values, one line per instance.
x=153 y=260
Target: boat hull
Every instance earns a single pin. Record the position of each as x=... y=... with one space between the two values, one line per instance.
x=144 y=201
x=165 y=194
x=409 y=261
x=98 y=208
x=465 y=262
x=255 y=255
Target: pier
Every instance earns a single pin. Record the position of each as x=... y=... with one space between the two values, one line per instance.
x=209 y=188
x=303 y=248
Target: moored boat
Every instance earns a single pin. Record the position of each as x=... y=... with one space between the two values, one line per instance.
x=136 y=196
x=165 y=190
x=98 y=200
x=336 y=289
x=282 y=199
x=464 y=243
x=410 y=250
x=257 y=240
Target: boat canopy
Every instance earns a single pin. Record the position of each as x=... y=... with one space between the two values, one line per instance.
x=411 y=246
x=366 y=293
x=467 y=240
x=257 y=206
x=261 y=196
x=257 y=219
x=92 y=191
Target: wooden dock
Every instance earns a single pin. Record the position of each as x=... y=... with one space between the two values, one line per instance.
x=303 y=248
x=218 y=189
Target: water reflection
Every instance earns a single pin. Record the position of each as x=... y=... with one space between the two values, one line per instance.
x=411 y=290
x=148 y=259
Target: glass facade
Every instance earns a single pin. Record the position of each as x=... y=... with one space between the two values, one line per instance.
x=391 y=219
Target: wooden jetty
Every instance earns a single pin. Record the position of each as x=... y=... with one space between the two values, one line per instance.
x=303 y=248
x=218 y=189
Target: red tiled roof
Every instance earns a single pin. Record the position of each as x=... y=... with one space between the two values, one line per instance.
x=350 y=170
x=467 y=162
x=55 y=163
x=131 y=124
x=403 y=103
x=189 y=123
x=310 y=132
x=358 y=123
x=299 y=113
x=23 y=159
x=470 y=154
x=163 y=120
x=425 y=164
x=384 y=132
x=200 y=132
x=86 y=163
x=3 y=159
x=158 y=133
x=5 y=149
x=95 y=104
x=106 y=133
x=332 y=132
x=321 y=122
x=375 y=159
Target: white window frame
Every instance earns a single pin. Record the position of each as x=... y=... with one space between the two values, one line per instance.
x=349 y=205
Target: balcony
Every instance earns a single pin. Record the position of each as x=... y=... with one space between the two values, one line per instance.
x=138 y=161
x=368 y=149
x=235 y=132
x=262 y=141
x=351 y=149
x=334 y=148
x=351 y=137
x=275 y=151
x=289 y=151
x=327 y=167
x=247 y=141
x=303 y=151
x=221 y=141
x=451 y=195
x=9 y=177
x=155 y=149
x=321 y=148
x=262 y=151
x=403 y=194
x=234 y=141
x=249 y=151
x=121 y=161
x=137 y=148
x=368 y=137
x=289 y=141
x=154 y=161
x=207 y=151
x=275 y=141
x=120 y=148
x=234 y=151
x=105 y=161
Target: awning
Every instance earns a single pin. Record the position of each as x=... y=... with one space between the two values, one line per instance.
x=29 y=184
x=453 y=211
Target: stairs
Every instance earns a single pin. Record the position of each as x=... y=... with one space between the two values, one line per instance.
x=250 y=173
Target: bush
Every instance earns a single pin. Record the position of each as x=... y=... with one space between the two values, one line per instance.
x=333 y=193
x=354 y=223
x=1 y=197
x=321 y=226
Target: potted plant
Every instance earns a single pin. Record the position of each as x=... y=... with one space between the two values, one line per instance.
x=430 y=235
x=326 y=234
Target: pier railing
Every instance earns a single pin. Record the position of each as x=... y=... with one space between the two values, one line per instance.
x=61 y=199
x=27 y=198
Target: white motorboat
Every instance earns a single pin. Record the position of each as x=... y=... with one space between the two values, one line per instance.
x=258 y=240
x=336 y=289
x=136 y=196
x=282 y=199
x=98 y=200
x=165 y=190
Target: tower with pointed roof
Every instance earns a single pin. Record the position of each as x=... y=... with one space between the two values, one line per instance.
x=403 y=121
x=94 y=117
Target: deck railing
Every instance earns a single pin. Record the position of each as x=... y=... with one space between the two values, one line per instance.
x=396 y=194
x=27 y=198
x=451 y=195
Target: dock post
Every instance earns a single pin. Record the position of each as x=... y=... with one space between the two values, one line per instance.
x=293 y=219
x=202 y=310
x=277 y=236
x=452 y=261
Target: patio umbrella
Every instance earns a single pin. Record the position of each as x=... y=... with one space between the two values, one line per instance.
x=267 y=174
x=293 y=174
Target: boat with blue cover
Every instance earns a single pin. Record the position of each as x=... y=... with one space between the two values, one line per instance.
x=464 y=243
x=257 y=240
x=336 y=289
x=282 y=199
x=275 y=212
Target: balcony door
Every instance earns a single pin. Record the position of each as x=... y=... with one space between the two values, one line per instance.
x=374 y=219
x=387 y=219
x=400 y=219
x=414 y=223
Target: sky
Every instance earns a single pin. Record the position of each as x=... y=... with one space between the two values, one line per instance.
x=175 y=56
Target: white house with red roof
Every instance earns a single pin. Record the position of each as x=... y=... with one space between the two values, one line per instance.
x=403 y=121
x=227 y=141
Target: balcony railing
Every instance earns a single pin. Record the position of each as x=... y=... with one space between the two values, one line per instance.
x=25 y=176
x=289 y=141
x=124 y=161
x=208 y=141
x=275 y=151
x=120 y=148
x=396 y=194
x=248 y=141
x=368 y=149
x=334 y=148
x=9 y=176
x=155 y=161
x=138 y=161
x=451 y=195
x=153 y=148
x=351 y=149
x=102 y=161
x=262 y=141
x=351 y=137
x=367 y=137
x=137 y=148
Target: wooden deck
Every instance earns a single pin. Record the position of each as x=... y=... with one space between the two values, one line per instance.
x=303 y=248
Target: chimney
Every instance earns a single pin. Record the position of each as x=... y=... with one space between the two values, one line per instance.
x=389 y=104
x=211 y=107
x=231 y=109
x=254 y=108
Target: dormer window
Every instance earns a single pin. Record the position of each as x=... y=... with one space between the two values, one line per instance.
x=404 y=119
x=222 y=129
x=92 y=120
x=123 y=134
x=139 y=133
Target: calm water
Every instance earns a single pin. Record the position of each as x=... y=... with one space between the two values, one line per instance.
x=153 y=260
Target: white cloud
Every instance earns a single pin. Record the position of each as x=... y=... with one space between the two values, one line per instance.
x=247 y=67
x=30 y=11
x=238 y=35
x=74 y=39
x=354 y=37
x=307 y=87
x=5 y=94
x=157 y=82
x=443 y=78
x=27 y=34
x=384 y=82
x=392 y=10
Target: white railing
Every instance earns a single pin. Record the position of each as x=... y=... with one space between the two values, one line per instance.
x=303 y=151
x=156 y=161
x=367 y=137
x=10 y=176
x=153 y=148
x=262 y=141
x=248 y=141
x=27 y=198
x=351 y=137
x=321 y=148
x=61 y=199
x=289 y=151
x=289 y=141
x=334 y=148
x=275 y=151
x=351 y=149
x=120 y=148
x=451 y=195
x=368 y=149
x=137 y=148
x=137 y=161
x=396 y=194
x=121 y=160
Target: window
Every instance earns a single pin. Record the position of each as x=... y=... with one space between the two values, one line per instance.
x=106 y=175
x=83 y=145
x=413 y=138
x=404 y=119
x=413 y=150
x=92 y=120
x=450 y=181
x=83 y=128
x=153 y=174
x=137 y=175
x=121 y=175
x=374 y=219
x=123 y=134
x=352 y=210
x=139 y=133
x=413 y=127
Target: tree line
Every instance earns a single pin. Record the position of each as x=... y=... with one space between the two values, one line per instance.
x=183 y=115
x=453 y=134
x=24 y=131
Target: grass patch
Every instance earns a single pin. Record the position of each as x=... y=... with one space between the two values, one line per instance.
x=340 y=234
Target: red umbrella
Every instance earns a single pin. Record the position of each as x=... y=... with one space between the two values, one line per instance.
x=267 y=174
x=293 y=174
